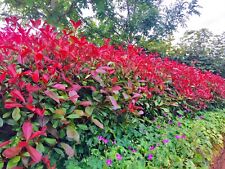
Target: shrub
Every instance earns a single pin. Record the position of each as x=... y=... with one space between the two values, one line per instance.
x=54 y=85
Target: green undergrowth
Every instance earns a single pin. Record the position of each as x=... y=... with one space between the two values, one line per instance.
x=180 y=143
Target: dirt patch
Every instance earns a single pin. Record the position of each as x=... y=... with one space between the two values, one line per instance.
x=219 y=161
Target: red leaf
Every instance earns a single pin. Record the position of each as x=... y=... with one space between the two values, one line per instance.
x=9 y=105
x=114 y=103
x=59 y=86
x=45 y=78
x=114 y=80
x=36 y=23
x=106 y=68
x=21 y=84
x=73 y=96
x=75 y=87
x=98 y=78
x=136 y=95
x=27 y=130
x=68 y=149
x=11 y=152
x=85 y=103
x=41 y=132
x=46 y=161
x=116 y=88
x=39 y=56
x=39 y=112
x=75 y=24
x=101 y=71
x=2 y=144
x=30 y=107
x=35 y=155
x=31 y=88
x=22 y=144
x=17 y=167
x=17 y=94
x=12 y=70
x=37 y=134
x=52 y=95
x=98 y=123
x=2 y=77
x=27 y=73
x=30 y=99
x=35 y=76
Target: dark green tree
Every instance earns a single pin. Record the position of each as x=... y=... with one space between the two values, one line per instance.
x=203 y=49
x=126 y=20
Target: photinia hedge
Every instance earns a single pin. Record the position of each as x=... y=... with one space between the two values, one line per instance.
x=53 y=83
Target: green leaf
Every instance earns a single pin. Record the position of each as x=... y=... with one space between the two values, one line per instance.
x=79 y=112
x=166 y=110
x=58 y=116
x=73 y=116
x=5 y=115
x=11 y=122
x=1 y=122
x=13 y=162
x=59 y=151
x=40 y=147
x=1 y=164
x=15 y=159
x=16 y=114
x=72 y=133
x=82 y=126
x=89 y=110
x=55 y=124
x=50 y=141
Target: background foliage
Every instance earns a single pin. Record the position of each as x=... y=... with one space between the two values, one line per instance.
x=204 y=50
x=121 y=21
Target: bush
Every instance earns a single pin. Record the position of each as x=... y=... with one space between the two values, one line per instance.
x=57 y=89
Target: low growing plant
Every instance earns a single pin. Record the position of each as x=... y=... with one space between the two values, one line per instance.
x=181 y=143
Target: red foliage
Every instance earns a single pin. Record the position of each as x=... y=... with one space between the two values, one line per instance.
x=50 y=55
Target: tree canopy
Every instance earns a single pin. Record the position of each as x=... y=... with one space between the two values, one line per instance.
x=204 y=49
x=126 y=20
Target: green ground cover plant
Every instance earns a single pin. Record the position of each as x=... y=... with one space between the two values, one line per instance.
x=181 y=143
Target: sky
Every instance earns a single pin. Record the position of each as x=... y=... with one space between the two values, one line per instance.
x=212 y=17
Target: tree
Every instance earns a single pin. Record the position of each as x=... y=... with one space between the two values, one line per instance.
x=204 y=49
x=197 y=43
x=128 y=20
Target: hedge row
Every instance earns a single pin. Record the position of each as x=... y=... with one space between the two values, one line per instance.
x=53 y=84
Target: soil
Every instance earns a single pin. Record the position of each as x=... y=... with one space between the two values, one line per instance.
x=219 y=161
